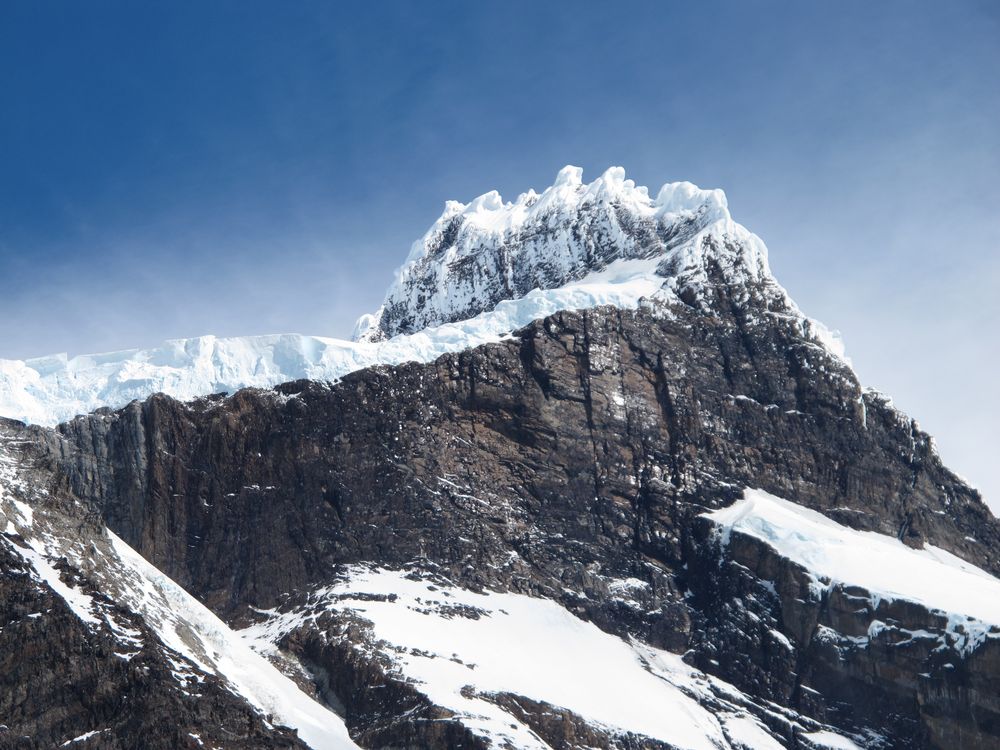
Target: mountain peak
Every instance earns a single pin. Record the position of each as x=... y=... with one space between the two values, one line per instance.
x=479 y=253
x=483 y=270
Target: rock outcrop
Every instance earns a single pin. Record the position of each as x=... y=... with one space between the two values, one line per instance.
x=576 y=455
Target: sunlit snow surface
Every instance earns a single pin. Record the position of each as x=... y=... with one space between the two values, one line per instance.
x=54 y=389
x=479 y=252
x=882 y=564
x=459 y=648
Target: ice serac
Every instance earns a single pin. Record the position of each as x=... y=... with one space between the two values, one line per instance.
x=478 y=254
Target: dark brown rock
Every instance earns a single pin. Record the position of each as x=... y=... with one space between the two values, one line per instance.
x=60 y=680
x=577 y=454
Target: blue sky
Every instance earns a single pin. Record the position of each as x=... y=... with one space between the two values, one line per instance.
x=179 y=168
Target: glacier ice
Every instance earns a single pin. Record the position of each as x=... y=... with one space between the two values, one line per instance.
x=483 y=270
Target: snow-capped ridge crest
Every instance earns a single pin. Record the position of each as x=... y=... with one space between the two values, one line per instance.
x=484 y=270
x=479 y=253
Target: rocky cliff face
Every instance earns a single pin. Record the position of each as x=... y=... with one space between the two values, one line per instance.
x=81 y=666
x=564 y=472
x=579 y=454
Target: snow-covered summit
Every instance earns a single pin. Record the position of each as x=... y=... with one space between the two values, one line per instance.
x=483 y=270
x=488 y=250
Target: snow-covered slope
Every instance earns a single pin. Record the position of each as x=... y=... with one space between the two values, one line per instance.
x=191 y=629
x=467 y=651
x=883 y=565
x=482 y=271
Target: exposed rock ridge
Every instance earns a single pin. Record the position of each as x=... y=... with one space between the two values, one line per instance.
x=101 y=677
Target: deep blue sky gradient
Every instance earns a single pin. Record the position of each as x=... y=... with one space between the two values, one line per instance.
x=179 y=168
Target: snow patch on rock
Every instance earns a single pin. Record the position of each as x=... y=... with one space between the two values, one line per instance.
x=879 y=563
x=519 y=645
x=463 y=648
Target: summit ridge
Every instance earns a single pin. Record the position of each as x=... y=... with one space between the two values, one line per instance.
x=487 y=250
x=483 y=270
